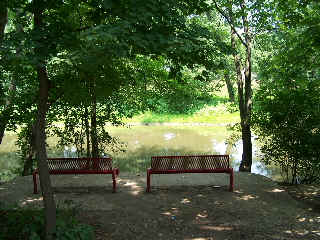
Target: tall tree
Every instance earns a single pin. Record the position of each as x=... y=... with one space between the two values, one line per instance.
x=246 y=18
x=243 y=70
x=40 y=136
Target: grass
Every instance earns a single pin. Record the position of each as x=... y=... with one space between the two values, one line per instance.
x=8 y=157
x=218 y=114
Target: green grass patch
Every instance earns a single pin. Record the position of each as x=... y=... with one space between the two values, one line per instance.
x=219 y=114
x=8 y=157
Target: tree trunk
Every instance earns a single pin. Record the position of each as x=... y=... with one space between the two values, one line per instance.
x=87 y=126
x=3 y=23
x=246 y=162
x=3 y=19
x=28 y=164
x=3 y=124
x=244 y=98
x=40 y=136
x=94 y=140
x=229 y=86
x=41 y=155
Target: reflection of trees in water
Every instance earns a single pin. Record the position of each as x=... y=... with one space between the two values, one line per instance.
x=139 y=159
x=258 y=167
x=147 y=141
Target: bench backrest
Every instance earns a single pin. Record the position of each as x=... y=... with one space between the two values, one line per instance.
x=190 y=162
x=80 y=164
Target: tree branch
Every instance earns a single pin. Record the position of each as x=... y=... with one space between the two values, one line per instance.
x=230 y=22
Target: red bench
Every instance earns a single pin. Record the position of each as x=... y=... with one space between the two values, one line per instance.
x=60 y=166
x=190 y=164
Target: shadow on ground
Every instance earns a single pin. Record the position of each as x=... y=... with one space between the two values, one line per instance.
x=189 y=207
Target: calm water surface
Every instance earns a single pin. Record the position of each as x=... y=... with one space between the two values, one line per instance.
x=145 y=141
x=142 y=142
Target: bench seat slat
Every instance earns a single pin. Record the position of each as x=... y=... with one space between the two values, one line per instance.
x=98 y=164
x=61 y=166
x=190 y=164
x=172 y=171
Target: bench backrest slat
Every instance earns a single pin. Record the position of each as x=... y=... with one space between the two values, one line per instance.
x=80 y=163
x=190 y=162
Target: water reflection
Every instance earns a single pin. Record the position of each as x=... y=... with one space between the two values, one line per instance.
x=235 y=153
x=146 y=141
x=183 y=140
x=257 y=166
x=70 y=152
x=169 y=136
x=219 y=147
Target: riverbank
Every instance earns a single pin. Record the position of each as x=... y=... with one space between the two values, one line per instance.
x=179 y=207
x=176 y=124
x=216 y=114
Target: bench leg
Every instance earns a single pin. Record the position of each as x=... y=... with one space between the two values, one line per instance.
x=148 y=181
x=35 y=188
x=114 y=173
x=231 y=181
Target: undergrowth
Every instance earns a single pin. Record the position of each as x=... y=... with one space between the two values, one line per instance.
x=28 y=224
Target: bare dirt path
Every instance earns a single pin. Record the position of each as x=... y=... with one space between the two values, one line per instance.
x=189 y=207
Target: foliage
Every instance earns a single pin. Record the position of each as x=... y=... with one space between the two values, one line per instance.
x=287 y=112
x=18 y=223
x=235 y=134
x=74 y=121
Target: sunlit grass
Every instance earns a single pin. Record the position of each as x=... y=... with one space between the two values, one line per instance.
x=206 y=115
x=9 y=159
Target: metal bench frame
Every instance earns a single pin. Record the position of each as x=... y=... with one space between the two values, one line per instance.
x=190 y=164
x=61 y=166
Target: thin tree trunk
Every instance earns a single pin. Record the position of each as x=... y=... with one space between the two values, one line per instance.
x=87 y=126
x=3 y=23
x=28 y=164
x=3 y=124
x=41 y=155
x=229 y=86
x=294 y=172
x=40 y=136
x=244 y=107
x=94 y=140
x=246 y=162
x=3 y=19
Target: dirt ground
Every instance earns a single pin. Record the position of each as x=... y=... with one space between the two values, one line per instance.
x=182 y=206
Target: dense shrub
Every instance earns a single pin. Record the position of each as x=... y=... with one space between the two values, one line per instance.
x=25 y=224
x=287 y=108
x=289 y=127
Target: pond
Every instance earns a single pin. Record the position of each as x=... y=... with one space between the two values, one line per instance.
x=142 y=142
